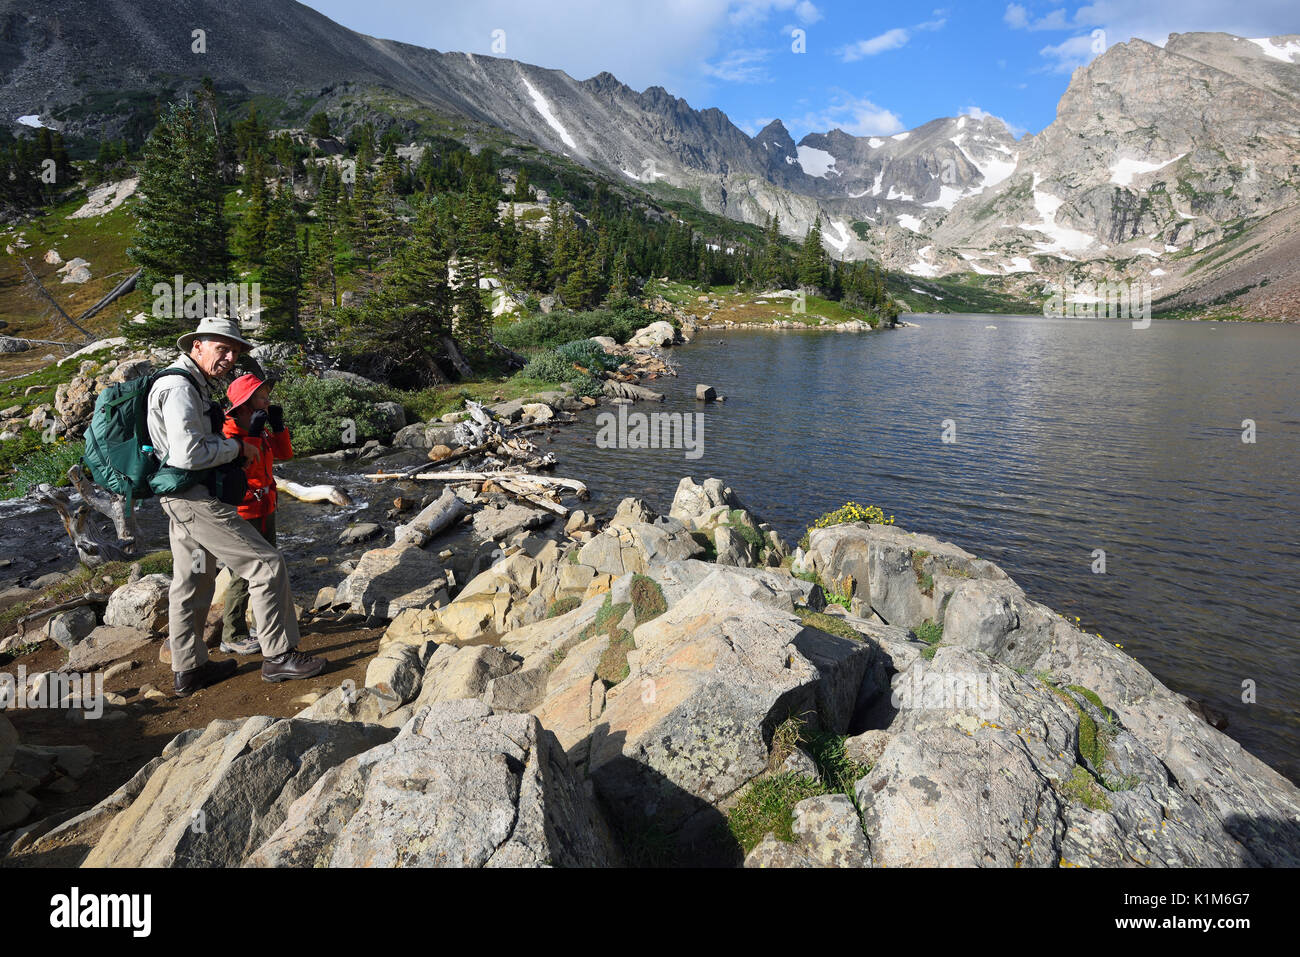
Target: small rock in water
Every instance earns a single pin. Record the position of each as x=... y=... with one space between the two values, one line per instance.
x=361 y=532
x=321 y=560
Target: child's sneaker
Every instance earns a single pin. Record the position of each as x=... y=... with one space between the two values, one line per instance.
x=242 y=646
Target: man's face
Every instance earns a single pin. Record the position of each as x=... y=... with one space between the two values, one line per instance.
x=215 y=357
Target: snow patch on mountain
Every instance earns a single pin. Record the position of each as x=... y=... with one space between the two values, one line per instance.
x=840 y=242
x=544 y=108
x=1123 y=170
x=1285 y=53
x=909 y=222
x=816 y=162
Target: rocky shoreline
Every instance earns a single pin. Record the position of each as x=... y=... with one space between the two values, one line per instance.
x=560 y=690
x=604 y=689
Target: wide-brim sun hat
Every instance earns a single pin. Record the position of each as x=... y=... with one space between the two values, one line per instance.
x=214 y=326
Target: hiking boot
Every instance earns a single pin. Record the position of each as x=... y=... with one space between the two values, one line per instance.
x=291 y=666
x=208 y=673
x=248 y=645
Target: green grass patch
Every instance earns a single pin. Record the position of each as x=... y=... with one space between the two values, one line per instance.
x=1082 y=789
x=562 y=606
x=767 y=806
x=34 y=462
x=827 y=623
x=613 y=667
x=648 y=600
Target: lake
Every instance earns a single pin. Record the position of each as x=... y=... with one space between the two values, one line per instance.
x=1069 y=435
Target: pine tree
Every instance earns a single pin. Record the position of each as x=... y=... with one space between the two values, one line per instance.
x=811 y=266
x=399 y=332
x=282 y=275
x=180 y=229
x=250 y=236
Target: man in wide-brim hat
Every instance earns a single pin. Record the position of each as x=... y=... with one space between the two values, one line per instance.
x=185 y=427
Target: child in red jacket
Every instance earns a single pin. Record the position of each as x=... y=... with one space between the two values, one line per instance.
x=252 y=417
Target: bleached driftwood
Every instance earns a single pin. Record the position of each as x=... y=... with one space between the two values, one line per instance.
x=432 y=519
x=572 y=485
x=109 y=504
x=93 y=546
x=534 y=496
x=483 y=433
x=314 y=493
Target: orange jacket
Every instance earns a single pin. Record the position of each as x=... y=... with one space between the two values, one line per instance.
x=260 y=499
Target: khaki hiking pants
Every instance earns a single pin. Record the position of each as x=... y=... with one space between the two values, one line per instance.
x=204 y=530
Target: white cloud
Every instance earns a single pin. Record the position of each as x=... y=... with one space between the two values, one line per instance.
x=1017 y=17
x=852 y=114
x=889 y=40
x=1152 y=20
x=740 y=66
x=755 y=11
x=977 y=113
x=1073 y=53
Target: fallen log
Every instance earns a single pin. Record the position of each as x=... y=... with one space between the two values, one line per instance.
x=93 y=546
x=447 y=509
x=108 y=504
x=533 y=496
x=572 y=485
x=314 y=493
x=90 y=598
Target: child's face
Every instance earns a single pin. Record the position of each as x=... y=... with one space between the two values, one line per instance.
x=259 y=400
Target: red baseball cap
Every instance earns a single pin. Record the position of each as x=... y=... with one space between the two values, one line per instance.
x=242 y=389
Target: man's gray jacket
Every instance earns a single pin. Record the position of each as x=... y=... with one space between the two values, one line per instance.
x=179 y=425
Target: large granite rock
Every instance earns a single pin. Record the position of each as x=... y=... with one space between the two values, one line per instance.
x=709 y=681
x=459 y=787
x=390 y=579
x=141 y=604
x=225 y=790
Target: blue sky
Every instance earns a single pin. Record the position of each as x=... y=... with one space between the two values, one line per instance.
x=867 y=68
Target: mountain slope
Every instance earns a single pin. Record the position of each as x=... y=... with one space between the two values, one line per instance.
x=1156 y=156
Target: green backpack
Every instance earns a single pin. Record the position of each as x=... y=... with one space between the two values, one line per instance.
x=119 y=453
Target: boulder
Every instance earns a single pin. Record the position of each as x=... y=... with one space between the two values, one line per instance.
x=141 y=604
x=391 y=416
x=988 y=767
x=733 y=548
x=388 y=580
x=403 y=804
x=491 y=524
x=225 y=789
x=398 y=670
x=657 y=334
x=104 y=645
x=705 y=393
x=361 y=532
x=10 y=344
x=68 y=627
x=710 y=680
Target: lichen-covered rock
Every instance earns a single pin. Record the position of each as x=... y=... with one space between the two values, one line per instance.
x=212 y=801
x=407 y=803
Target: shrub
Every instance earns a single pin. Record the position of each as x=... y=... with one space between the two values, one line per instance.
x=553 y=329
x=647 y=599
x=550 y=367
x=315 y=410
x=588 y=354
x=562 y=606
x=46 y=463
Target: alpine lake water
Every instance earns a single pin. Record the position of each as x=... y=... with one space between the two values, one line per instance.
x=1068 y=436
